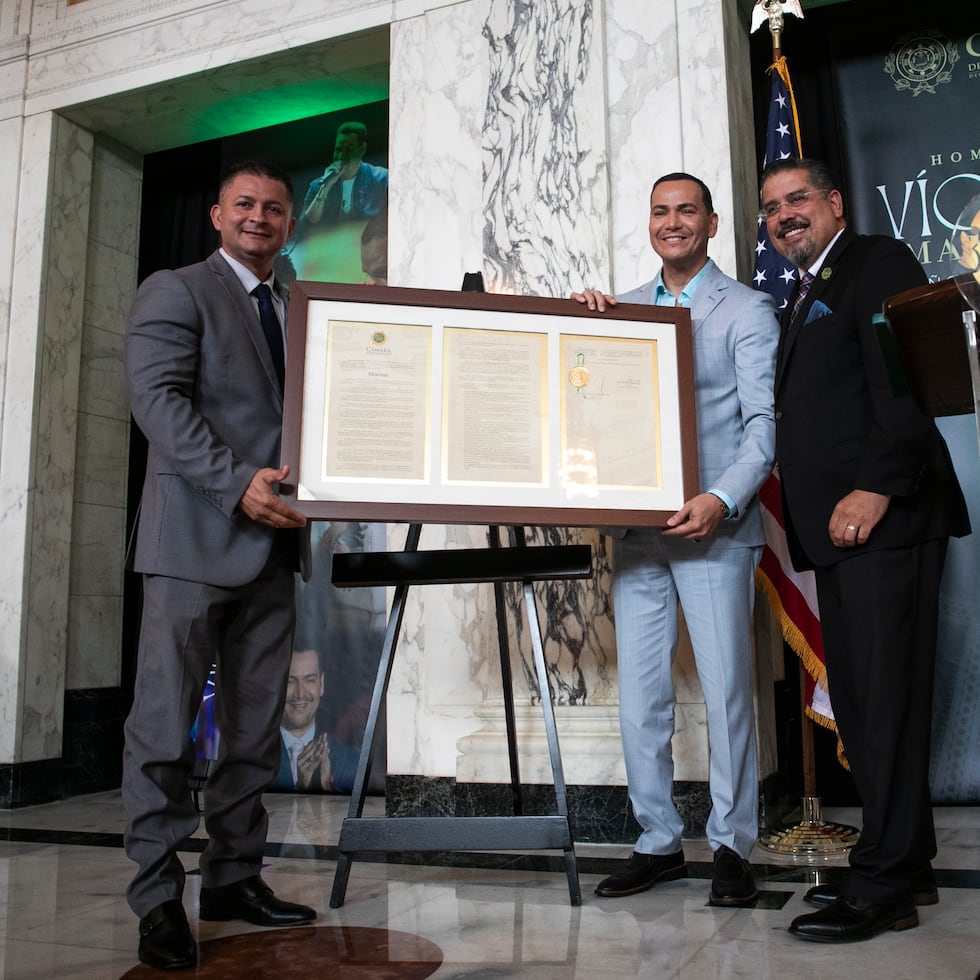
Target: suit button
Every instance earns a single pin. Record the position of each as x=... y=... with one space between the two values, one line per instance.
x=778 y=416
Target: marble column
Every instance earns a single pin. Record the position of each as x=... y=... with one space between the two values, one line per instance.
x=95 y=704
x=102 y=460
x=504 y=149
x=545 y=167
x=39 y=431
x=572 y=108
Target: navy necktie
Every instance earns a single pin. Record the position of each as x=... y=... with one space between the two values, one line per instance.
x=271 y=329
x=805 y=280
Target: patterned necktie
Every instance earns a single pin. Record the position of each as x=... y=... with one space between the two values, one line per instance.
x=294 y=751
x=271 y=329
x=805 y=280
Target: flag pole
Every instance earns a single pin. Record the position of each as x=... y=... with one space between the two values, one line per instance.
x=812 y=839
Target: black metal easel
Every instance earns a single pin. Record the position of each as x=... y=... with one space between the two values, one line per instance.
x=497 y=565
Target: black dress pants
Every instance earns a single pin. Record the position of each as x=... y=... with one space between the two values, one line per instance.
x=879 y=616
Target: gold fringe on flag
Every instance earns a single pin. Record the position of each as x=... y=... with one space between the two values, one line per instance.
x=793 y=635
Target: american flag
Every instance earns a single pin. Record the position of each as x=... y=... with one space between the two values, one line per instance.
x=792 y=594
x=773 y=274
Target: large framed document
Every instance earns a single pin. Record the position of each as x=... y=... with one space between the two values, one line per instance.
x=474 y=408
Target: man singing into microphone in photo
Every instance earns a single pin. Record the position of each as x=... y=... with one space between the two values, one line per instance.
x=348 y=188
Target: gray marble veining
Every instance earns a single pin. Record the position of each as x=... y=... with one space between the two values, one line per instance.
x=545 y=175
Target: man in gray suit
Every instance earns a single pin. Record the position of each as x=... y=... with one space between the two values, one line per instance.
x=217 y=548
x=705 y=557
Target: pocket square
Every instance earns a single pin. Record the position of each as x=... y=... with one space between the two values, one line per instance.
x=817 y=311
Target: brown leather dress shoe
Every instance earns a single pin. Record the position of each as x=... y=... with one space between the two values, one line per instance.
x=252 y=900
x=851 y=920
x=642 y=871
x=165 y=938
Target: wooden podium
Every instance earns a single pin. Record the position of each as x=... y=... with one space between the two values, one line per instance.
x=929 y=338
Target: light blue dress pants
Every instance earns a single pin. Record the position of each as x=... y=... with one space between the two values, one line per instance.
x=714 y=583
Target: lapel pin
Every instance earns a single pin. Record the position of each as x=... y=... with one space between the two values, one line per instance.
x=826 y=273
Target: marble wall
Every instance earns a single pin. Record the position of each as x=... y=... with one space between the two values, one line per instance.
x=545 y=176
x=12 y=517
x=631 y=91
x=68 y=76
x=41 y=378
x=524 y=138
x=95 y=603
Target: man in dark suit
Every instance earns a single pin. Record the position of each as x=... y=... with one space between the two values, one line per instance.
x=870 y=500
x=311 y=759
x=217 y=548
x=304 y=756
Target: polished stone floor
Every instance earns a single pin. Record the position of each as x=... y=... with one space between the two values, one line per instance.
x=63 y=874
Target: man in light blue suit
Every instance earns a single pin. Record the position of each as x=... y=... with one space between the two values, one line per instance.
x=705 y=557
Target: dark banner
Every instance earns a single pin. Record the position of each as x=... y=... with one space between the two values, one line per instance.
x=908 y=89
x=907 y=86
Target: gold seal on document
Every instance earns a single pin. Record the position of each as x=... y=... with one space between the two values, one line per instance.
x=578 y=376
x=378 y=337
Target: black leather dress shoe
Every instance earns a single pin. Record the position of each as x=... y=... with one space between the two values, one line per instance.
x=732 y=883
x=642 y=871
x=924 y=892
x=252 y=900
x=823 y=895
x=165 y=938
x=851 y=920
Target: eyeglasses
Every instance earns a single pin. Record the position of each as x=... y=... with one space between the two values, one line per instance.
x=793 y=201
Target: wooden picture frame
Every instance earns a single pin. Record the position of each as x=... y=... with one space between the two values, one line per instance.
x=431 y=406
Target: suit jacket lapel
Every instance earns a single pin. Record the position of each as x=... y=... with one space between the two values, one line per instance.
x=791 y=325
x=242 y=303
x=708 y=295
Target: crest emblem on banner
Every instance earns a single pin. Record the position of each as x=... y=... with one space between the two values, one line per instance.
x=921 y=61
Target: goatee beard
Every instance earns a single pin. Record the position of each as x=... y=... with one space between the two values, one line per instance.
x=801 y=254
